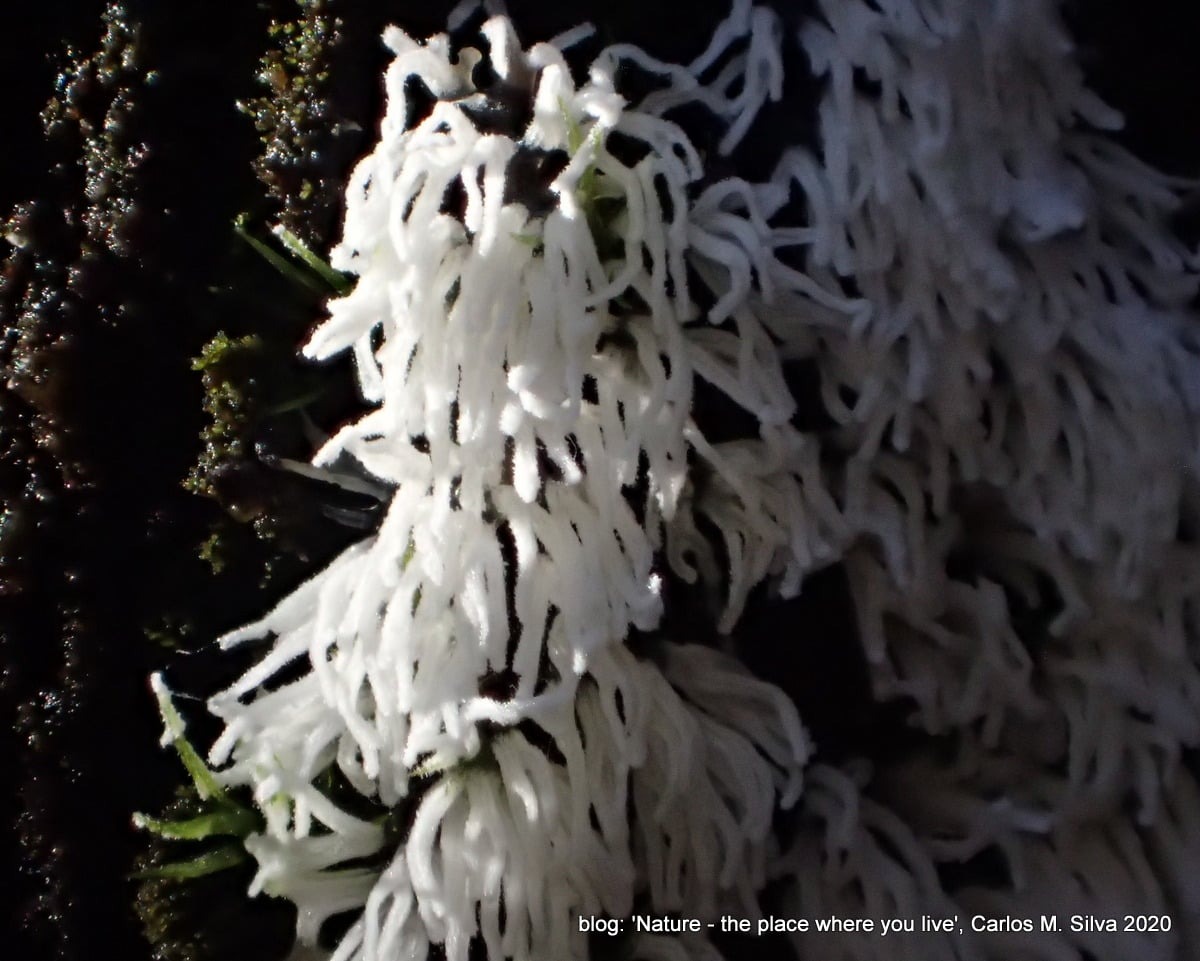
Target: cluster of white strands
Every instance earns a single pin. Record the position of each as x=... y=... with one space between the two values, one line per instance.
x=998 y=318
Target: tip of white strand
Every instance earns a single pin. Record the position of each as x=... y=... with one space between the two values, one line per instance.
x=568 y=38
x=397 y=41
x=234 y=638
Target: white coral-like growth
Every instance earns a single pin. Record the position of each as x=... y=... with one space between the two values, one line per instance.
x=857 y=858
x=521 y=324
x=516 y=402
x=526 y=844
x=996 y=317
x=1017 y=403
x=1016 y=418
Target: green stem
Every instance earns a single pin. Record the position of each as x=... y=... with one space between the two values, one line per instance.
x=210 y=862
x=231 y=820
x=338 y=281
x=277 y=260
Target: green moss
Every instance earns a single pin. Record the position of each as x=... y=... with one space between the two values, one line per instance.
x=170 y=632
x=227 y=366
x=294 y=118
x=109 y=157
x=212 y=552
x=252 y=382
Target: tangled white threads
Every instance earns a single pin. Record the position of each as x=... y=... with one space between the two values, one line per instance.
x=997 y=319
x=1018 y=402
x=537 y=842
x=522 y=329
x=491 y=328
x=856 y=860
x=856 y=857
x=1017 y=446
x=922 y=201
